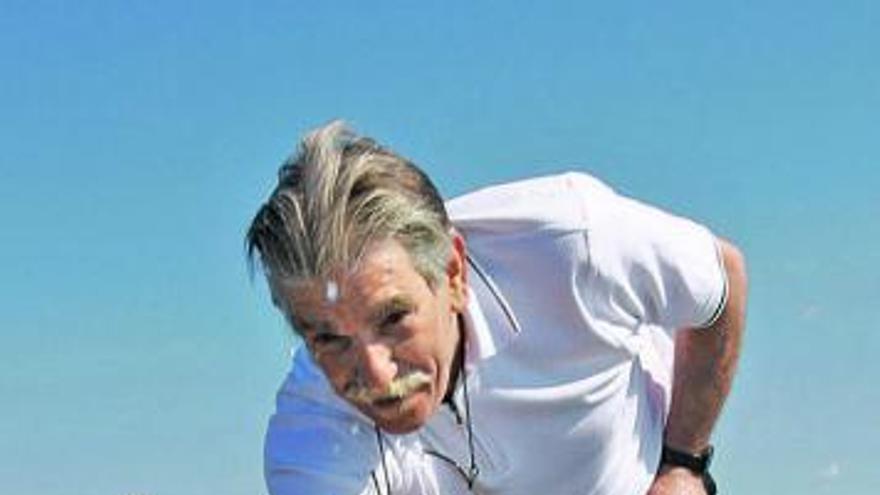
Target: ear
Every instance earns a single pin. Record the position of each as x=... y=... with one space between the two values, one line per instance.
x=456 y=273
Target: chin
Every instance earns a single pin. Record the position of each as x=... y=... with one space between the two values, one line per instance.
x=415 y=415
x=400 y=428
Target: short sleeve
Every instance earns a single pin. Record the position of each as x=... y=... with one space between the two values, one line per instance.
x=312 y=455
x=657 y=267
x=314 y=445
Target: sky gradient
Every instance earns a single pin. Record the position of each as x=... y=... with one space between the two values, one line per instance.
x=138 y=139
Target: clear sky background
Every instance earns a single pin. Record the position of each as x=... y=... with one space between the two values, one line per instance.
x=138 y=138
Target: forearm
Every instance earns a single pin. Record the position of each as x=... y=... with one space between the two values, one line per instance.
x=705 y=362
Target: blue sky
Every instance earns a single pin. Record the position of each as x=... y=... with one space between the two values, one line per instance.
x=137 y=139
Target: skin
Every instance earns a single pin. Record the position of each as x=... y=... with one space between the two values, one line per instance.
x=705 y=362
x=384 y=323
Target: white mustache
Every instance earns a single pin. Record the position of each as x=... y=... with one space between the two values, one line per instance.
x=399 y=388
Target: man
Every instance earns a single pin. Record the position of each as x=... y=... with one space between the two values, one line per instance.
x=544 y=336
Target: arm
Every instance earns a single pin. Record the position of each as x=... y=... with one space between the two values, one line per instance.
x=705 y=362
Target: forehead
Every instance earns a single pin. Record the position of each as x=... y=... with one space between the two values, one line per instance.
x=383 y=274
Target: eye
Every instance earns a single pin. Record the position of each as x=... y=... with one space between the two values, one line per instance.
x=391 y=322
x=325 y=342
x=395 y=318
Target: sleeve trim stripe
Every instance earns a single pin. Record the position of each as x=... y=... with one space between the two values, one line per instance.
x=722 y=302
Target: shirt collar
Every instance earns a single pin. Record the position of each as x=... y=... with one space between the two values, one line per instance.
x=490 y=324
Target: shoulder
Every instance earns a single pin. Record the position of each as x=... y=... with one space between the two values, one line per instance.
x=559 y=202
x=314 y=441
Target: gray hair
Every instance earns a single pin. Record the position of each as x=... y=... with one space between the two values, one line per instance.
x=337 y=195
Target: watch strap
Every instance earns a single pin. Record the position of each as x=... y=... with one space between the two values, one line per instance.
x=696 y=463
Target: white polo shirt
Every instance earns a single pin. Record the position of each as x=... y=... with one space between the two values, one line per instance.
x=575 y=294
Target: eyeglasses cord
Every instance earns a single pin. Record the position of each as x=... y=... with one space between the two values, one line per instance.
x=473 y=471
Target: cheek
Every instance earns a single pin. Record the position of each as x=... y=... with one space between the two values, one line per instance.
x=337 y=374
x=420 y=341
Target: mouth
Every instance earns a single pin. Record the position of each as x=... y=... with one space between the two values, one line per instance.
x=388 y=403
x=394 y=394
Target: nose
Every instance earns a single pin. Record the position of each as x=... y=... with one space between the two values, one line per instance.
x=376 y=365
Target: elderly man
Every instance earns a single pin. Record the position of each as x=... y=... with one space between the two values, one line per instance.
x=542 y=336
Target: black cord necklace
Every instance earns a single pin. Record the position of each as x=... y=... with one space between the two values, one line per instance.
x=473 y=471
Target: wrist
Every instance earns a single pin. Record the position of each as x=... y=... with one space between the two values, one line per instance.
x=696 y=463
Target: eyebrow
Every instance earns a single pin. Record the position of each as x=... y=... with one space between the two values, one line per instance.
x=378 y=315
x=387 y=308
x=306 y=326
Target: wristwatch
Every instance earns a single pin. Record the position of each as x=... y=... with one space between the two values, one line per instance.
x=697 y=463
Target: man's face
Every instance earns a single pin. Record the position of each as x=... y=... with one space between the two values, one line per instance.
x=384 y=337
